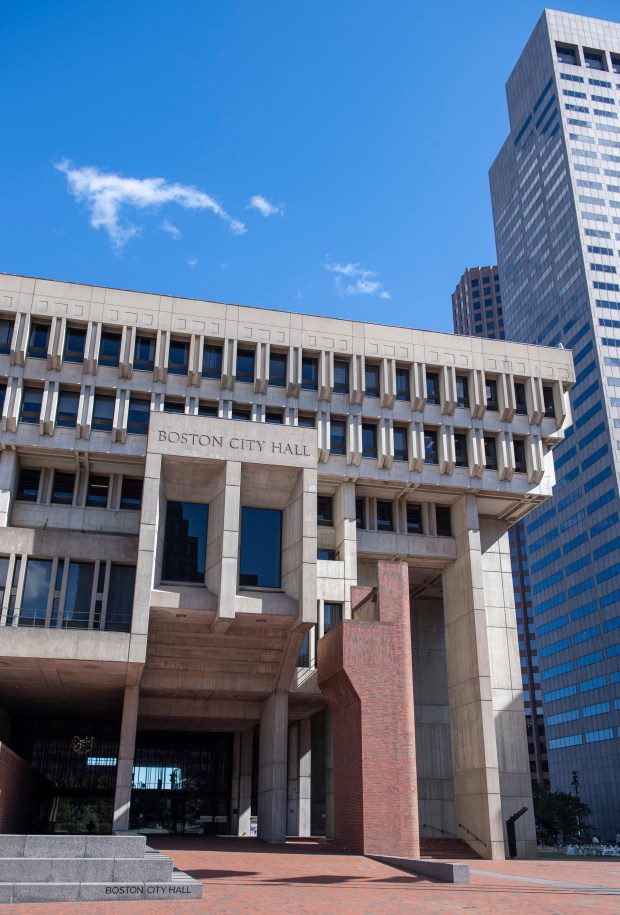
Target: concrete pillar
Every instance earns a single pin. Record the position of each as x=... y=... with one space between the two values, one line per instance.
x=245 y=782
x=305 y=778
x=9 y=467
x=346 y=538
x=472 y=725
x=292 y=810
x=126 y=751
x=272 y=768
x=234 y=792
x=329 y=776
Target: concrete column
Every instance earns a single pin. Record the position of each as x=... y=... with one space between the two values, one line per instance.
x=234 y=792
x=305 y=778
x=472 y=725
x=245 y=782
x=346 y=538
x=272 y=768
x=329 y=776
x=126 y=751
x=292 y=810
x=9 y=467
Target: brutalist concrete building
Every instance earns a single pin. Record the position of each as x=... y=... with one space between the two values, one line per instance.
x=255 y=570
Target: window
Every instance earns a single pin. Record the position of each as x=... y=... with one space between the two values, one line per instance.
x=567 y=54
x=241 y=412
x=520 y=399
x=369 y=440
x=332 y=615
x=306 y=420
x=62 y=490
x=462 y=391
x=594 y=60
x=460 y=449
x=144 y=353
x=325 y=511
x=6 y=334
x=384 y=516
x=185 y=541
x=31 y=405
x=212 y=361
x=38 y=342
x=548 y=399
x=36 y=592
x=401 y=450
x=615 y=63
x=261 y=545
x=178 y=356
x=431 y=454
x=330 y=555
x=109 y=348
x=338 y=436
x=432 y=387
x=491 y=391
x=75 y=341
x=103 y=412
x=444 y=520
x=414 y=518
x=120 y=598
x=402 y=384
x=490 y=452
x=174 y=405
x=245 y=365
x=28 y=486
x=371 y=375
x=66 y=414
x=341 y=376
x=275 y=417
x=309 y=373
x=131 y=493
x=80 y=580
x=138 y=416
x=277 y=369
x=519 y=450
x=207 y=409
x=97 y=491
x=360 y=514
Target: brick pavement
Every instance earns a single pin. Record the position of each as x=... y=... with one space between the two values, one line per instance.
x=245 y=875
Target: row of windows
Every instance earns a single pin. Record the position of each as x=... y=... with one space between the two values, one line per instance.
x=63 y=490
x=592 y=59
x=67 y=594
x=385 y=511
x=584 y=686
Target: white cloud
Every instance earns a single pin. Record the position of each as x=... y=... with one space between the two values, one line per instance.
x=264 y=206
x=192 y=261
x=171 y=229
x=351 y=279
x=105 y=194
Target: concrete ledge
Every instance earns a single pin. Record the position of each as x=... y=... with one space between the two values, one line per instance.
x=446 y=871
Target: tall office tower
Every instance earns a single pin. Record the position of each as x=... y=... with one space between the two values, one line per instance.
x=477 y=311
x=555 y=187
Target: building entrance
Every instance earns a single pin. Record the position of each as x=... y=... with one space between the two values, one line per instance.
x=181 y=783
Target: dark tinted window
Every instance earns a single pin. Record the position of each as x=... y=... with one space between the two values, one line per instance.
x=341 y=376
x=6 y=334
x=138 y=416
x=325 y=510
x=31 y=405
x=491 y=391
x=36 y=592
x=360 y=513
x=306 y=420
x=75 y=341
x=245 y=365
x=185 y=541
x=207 y=409
x=326 y=554
x=460 y=449
x=520 y=397
x=239 y=412
x=131 y=493
x=432 y=387
x=178 y=356
x=120 y=598
x=567 y=55
x=402 y=384
x=277 y=369
x=275 y=417
x=490 y=453
x=369 y=440
x=174 y=405
x=103 y=412
x=519 y=449
x=338 y=436
x=62 y=490
x=39 y=338
x=97 y=492
x=144 y=354
x=110 y=348
x=548 y=399
x=28 y=486
x=371 y=375
x=332 y=615
x=431 y=455
x=414 y=518
x=384 y=516
x=76 y=613
x=462 y=391
x=401 y=452
x=309 y=373
x=68 y=402
x=212 y=361
x=261 y=545
x=444 y=522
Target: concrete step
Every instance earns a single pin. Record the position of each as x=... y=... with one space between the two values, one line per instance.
x=180 y=887
x=152 y=868
x=56 y=846
x=446 y=849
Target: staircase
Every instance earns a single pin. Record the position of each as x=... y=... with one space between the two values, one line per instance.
x=446 y=849
x=57 y=868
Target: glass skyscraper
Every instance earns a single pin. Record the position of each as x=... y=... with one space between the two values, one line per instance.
x=555 y=189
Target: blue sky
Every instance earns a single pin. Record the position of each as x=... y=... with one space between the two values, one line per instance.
x=325 y=157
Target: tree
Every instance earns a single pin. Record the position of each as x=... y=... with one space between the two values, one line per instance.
x=559 y=812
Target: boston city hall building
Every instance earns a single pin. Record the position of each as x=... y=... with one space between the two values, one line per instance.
x=255 y=573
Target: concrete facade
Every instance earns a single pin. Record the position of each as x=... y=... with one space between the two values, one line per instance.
x=377 y=450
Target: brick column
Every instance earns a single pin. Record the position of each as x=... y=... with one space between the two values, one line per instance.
x=365 y=674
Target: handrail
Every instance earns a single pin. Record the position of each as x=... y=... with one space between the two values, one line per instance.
x=444 y=832
x=472 y=834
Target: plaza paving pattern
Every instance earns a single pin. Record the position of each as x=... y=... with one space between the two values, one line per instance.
x=245 y=875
